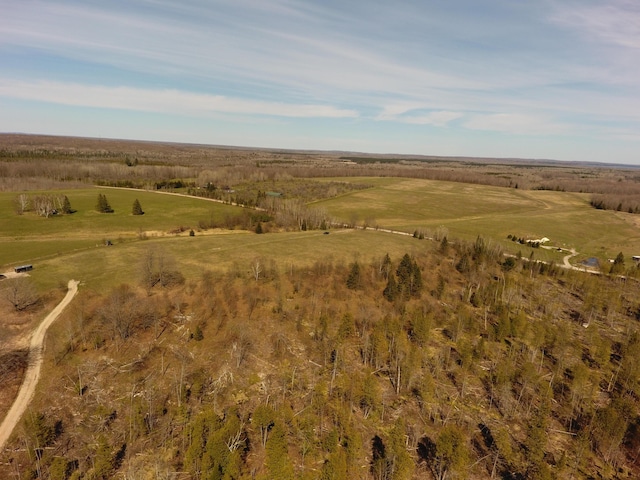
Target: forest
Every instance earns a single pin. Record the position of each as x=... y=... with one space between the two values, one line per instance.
x=448 y=360
x=27 y=163
x=453 y=363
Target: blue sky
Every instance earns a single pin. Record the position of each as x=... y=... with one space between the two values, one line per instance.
x=556 y=79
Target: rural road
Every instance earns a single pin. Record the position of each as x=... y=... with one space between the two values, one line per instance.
x=565 y=259
x=32 y=374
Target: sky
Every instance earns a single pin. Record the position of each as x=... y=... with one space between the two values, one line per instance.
x=546 y=79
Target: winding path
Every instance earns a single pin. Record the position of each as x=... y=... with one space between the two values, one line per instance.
x=566 y=258
x=32 y=374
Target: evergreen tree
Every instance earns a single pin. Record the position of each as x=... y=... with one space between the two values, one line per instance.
x=537 y=435
x=100 y=204
x=259 y=228
x=264 y=419
x=60 y=469
x=416 y=280
x=385 y=269
x=444 y=246
x=103 y=460
x=137 y=208
x=451 y=451
x=464 y=264
x=391 y=290
x=103 y=205
x=399 y=462
x=278 y=462
x=354 y=281
x=66 y=206
x=404 y=270
x=409 y=277
x=335 y=467
x=618 y=265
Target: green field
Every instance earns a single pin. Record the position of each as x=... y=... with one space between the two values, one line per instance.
x=72 y=246
x=121 y=263
x=467 y=211
x=25 y=238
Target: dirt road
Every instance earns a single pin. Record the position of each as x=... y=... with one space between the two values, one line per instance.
x=33 y=370
x=565 y=260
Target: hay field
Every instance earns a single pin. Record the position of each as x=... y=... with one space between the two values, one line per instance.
x=467 y=211
x=105 y=267
x=25 y=238
x=72 y=246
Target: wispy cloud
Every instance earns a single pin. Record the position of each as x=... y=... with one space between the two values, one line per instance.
x=417 y=115
x=556 y=68
x=615 y=22
x=517 y=124
x=165 y=100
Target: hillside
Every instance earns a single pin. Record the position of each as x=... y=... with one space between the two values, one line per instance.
x=319 y=315
x=471 y=366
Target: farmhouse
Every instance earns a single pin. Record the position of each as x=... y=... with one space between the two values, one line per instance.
x=23 y=268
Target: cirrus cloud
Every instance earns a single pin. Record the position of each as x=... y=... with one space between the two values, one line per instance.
x=161 y=100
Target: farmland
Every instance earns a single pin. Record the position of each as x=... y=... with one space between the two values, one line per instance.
x=356 y=321
x=467 y=211
x=464 y=211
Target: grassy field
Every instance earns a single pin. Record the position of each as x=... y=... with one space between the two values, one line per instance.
x=25 y=238
x=121 y=263
x=469 y=210
x=72 y=246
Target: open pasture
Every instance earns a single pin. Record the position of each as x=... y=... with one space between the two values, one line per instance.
x=468 y=210
x=72 y=246
x=222 y=252
x=24 y=238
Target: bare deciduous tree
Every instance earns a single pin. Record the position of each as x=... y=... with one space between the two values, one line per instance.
x=20 y=293
x=159 y=269
x=44 y=205
x=22 y=203
x=256 y=268
x=119 y=311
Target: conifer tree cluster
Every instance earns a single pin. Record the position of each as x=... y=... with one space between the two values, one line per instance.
x=407 y=281
x=103 y=205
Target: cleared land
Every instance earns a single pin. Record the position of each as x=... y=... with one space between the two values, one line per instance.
x=72 y=246
x=121 y=263
x=467 y=211
x=25 y=238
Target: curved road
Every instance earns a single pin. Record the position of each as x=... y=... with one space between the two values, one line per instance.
x=32 y=375
x=566 y=258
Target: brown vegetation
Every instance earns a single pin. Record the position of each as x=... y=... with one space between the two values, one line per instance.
x=450 y=362
x=481 y=368
x=31 y=162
